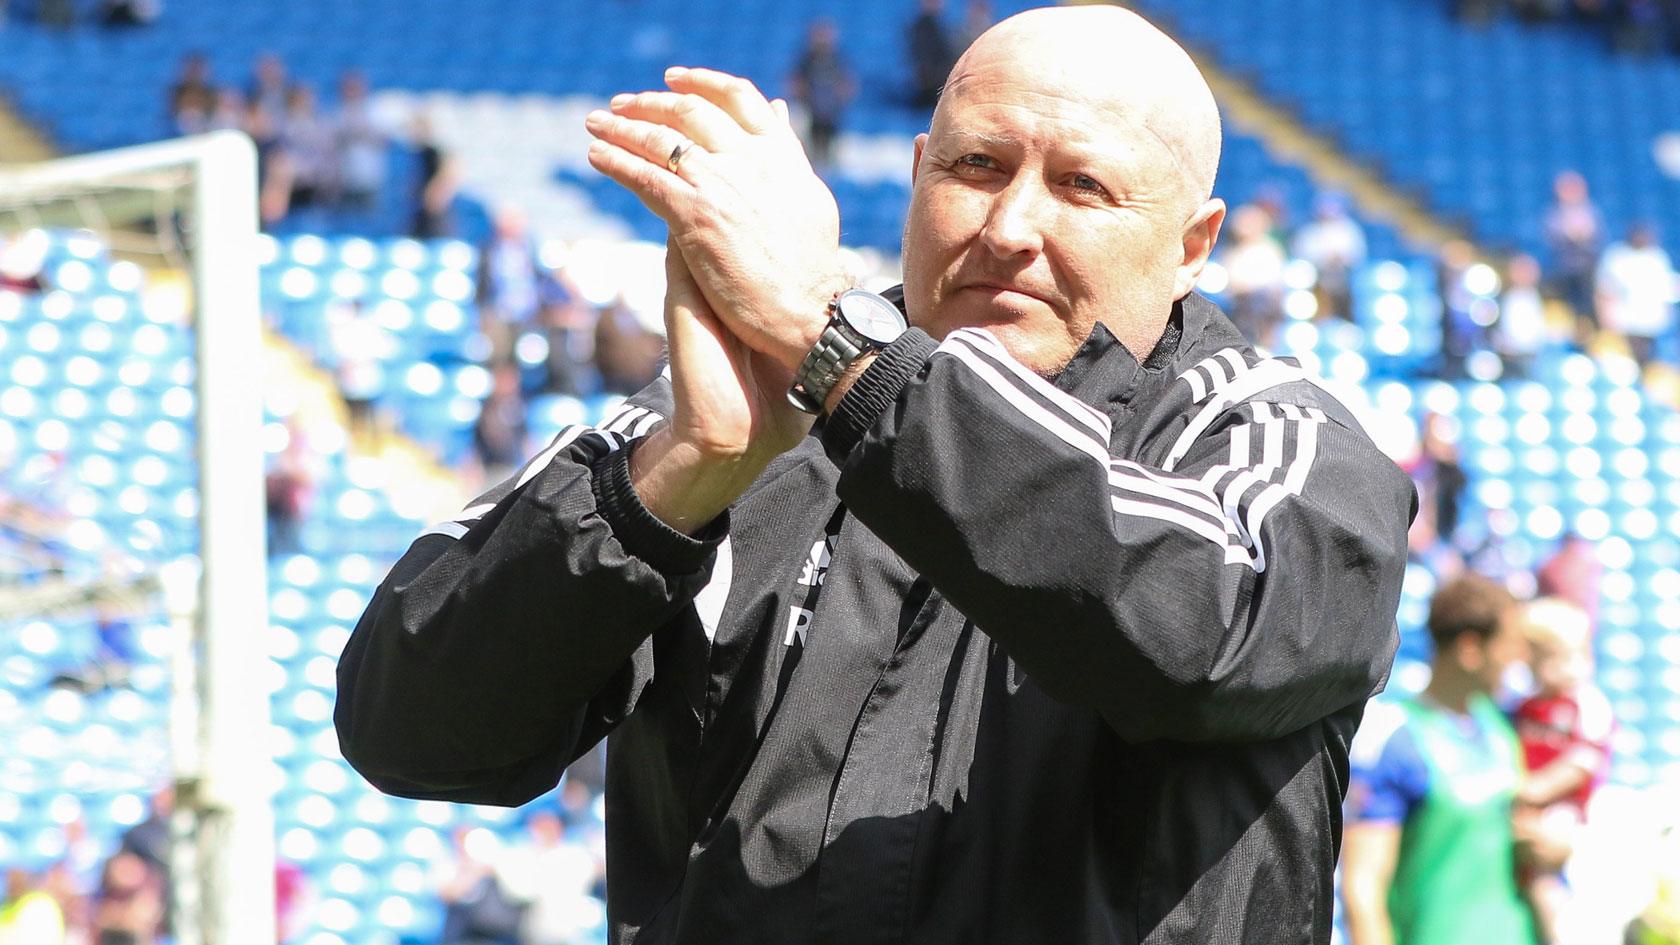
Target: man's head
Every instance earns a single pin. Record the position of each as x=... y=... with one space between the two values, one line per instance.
x=1570 y=187
x=545 y=827
x=1065 y=180
x=824 y=35
x=1475 y=625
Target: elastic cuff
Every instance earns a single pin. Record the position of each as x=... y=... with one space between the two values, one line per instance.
x=871 y=393
x=638 y=530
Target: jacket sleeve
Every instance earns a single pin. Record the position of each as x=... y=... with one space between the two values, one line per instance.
x=506 y=643
x=1240 y=586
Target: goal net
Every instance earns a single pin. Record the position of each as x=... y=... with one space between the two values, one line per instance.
x=132 y=574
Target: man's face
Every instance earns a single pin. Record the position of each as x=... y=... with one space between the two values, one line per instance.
x=1037 y=210
x=1486 y=661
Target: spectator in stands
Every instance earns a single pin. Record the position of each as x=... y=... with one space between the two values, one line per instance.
x=477 y=908
x=274 y=167
x=60 y=882
x=1521 y=331
x=627 y=353
x=434 y=193
x=1429 y=855
x=149 y=839
x=192 y=98
x=229 y=112
x=1641 y=27
x=568 y=327
x=510 y=281
x=1271 y=198
x=129 y=12
x=555 y=875
x=307 y=139
x=359 y=145
x=294 y=900
x=499 y=434
x=1465 y=319
x=29 y=914
x=1254 y=261
x=1439 y=477
x=1635 y=286
x=113 y=653
x=1574 y=573
x=1335 y=244
x=60 y=14
x=823 y=84
x=268 y=86
x=361 y=346
x=1574 y=232
x=84 y=859
x=977 y=19
x=931 y=53
x=289 y=487
x=23 y=262
x=1565 y=730
x=578 y=793
x=129 y=905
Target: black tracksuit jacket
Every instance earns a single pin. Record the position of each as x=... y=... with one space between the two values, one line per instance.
x=987 y=659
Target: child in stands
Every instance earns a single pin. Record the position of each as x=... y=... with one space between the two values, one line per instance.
x=1565 y=730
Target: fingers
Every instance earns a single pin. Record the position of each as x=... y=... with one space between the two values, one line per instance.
x=708 y=125
x=651 y=141
x=735 y=95
x=781 y=109
x=660 y=190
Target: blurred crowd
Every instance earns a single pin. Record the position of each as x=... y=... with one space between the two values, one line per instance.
x=547 y=886
x=67 y=14
x=822 y=82
x=546 y=338
x=335 y=157
x=94 y=895
x=539 y=882
x=1618 y=289
x=1633 y=26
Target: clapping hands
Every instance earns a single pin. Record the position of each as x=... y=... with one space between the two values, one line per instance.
x=756 y=226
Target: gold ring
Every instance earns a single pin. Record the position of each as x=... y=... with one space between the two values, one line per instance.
x=677 y=154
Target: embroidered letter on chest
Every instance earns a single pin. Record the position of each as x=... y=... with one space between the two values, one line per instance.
x=811 y=577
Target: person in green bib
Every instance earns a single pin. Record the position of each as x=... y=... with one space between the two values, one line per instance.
x=1429 y=856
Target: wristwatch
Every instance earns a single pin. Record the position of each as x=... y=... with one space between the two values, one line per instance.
x=859 y=322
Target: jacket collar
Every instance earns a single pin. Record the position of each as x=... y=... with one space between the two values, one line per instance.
x=1106 y=375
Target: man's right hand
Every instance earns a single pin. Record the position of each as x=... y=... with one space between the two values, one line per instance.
x=731 y=414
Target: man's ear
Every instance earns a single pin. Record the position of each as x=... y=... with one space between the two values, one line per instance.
x=1199 y=236
x=916 y=162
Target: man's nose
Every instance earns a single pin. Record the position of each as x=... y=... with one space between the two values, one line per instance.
x=1014 y=225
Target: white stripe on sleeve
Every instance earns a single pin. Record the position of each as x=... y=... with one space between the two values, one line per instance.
x=1052 y=422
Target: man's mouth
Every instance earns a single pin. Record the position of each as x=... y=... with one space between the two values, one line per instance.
x=1003 y=290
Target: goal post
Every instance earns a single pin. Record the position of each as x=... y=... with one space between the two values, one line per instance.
x=192 y=203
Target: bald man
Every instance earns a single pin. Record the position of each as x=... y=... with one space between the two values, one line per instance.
x=1053 y=629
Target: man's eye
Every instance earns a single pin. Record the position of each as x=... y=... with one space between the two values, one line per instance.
x=974 y=160
x=1083 y=182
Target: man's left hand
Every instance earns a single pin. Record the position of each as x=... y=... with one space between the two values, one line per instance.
x=759 y=229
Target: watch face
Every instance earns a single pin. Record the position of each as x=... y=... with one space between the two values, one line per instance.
x=871 y=316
